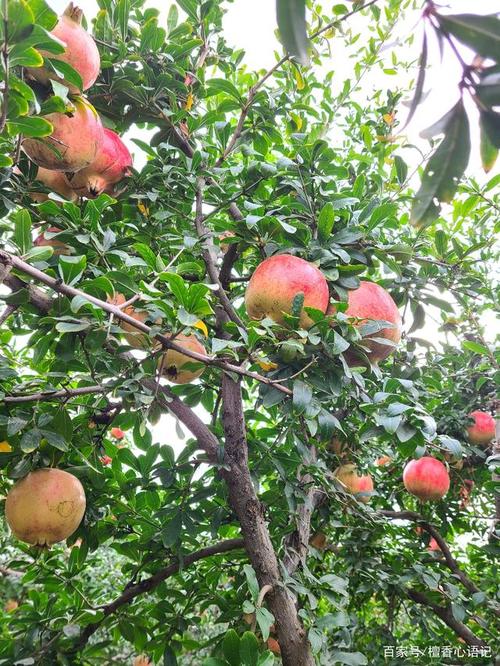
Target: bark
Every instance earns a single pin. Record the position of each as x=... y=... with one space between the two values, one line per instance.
x=295 y=649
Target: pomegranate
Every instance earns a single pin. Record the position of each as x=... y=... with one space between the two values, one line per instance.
x=133 y=336
x=433 y=544
x=112 y=163
x=59 y=247
x=353 y=483
x=318 y=541
x=117 y=433
x=273 y=645
x=277 y=281
x=106 y=460
x=45 y=507
x=80 y=51
x=482 y=431
x=372 y=302
x=74 y=141
x=222 y=237
x=383 y=460
x=426 y=478
x=55 y=181
x=172 y=362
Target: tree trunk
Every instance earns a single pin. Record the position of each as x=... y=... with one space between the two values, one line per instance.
x=295 y=649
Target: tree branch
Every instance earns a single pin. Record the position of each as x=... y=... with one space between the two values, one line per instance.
x=58 y=286
x=130 y=593
x=449 y=559
x=446 y=615
x=63 y=394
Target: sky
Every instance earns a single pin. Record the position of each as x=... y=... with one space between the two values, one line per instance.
x=251 y=25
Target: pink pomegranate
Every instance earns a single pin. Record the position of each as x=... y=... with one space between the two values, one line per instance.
x=112 y=163
x=74 y=142
x=45 y=507
x=59 y=247
x=55 y=181
x=81 y=51
x=426 y=478
x=482 y=431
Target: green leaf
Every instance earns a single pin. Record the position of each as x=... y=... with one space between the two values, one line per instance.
x=489 y=152
x=169 y=658
x=401 y=168
x=22 y=55
x=216 y=86
x=30 y=126
x=349 y=658
x=292 y=25
x=480 y=33
x=441 y=242
x=71 y=268
x=43 y=14
x=64 y=71
x=488 y=90
x=325 y=222
x=30 y=441
x=170 y=534
x=266 y=659
x=122 y=15
x=231 y=647
x=72 y=326
x=55 y=439
x=252 y=582
x=21 y=20
x=265 y=620
x=445 y=168
x=39 y=253
x=249 y=649
x=302 y=395
x=172 y=18
x=490 y=124
x=419 y=86
x=22 y=231
x=475 y=347
x=190 y=7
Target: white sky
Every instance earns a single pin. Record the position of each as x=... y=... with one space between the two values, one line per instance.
x=251 y=25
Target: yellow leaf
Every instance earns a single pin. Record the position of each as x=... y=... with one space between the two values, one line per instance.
x=388 y=118
x=267 y=365
x=297 y=120
x=202 y=326
x=142 y=208
x=299 y=79
x=189 y=102
x=5 y=447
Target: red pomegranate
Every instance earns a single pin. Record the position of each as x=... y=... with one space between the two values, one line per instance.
x=55 y=181
x=74 y=141
x=277 y=281
x=45 y=507
x=112 y=163
x=59 y=247
x=80 y=51
x=426 y=478
x=482 y=431
x=371 y=302
x=357 y=485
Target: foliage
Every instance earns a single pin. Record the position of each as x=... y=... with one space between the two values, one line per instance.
x=297 y=161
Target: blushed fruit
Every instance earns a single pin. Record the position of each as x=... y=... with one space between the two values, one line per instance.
x=173 y=363
x=112 y=164
x=117 y=433
x=46 y=239
x=106 y=460
x=80 y=51
x=11 y=605
x=383 y=460
x=74 y=140
x=133 y=336
x=142 y=660
x=482 y=431
x=273 y=645
x=426 y=478
x=359 y=486
x=54 y=181
x=371 y=302
x=45 y=507
x=277 y=281
x=433 y=544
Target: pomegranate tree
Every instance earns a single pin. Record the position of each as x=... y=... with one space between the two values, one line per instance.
x=45 y=507
x=74 y=141
x=371 y=302
x=112 y=164
x=277 y=281
x=426 y=478
x=482 y=431
x=80 y=51
x=173 y=363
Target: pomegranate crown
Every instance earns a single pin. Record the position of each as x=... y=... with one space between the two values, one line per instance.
x=74 y=13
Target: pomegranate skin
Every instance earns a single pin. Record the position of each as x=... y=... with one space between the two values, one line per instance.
x=45 y=507
x=275 y=283
x=74 y=142
x=172 y=362
x=59 y=247
x=482 y=431
x=353 y=483
x=55 y=181
x=134 y=337
x=112 y=164
x=368 y=302
x=426 y=478
x=80 y=51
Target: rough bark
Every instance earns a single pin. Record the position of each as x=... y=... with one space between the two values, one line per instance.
x=295 y=649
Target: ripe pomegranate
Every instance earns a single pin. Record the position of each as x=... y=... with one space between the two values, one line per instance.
x=133 y=336
x=172 y=362
x=11 y=605
x=275 y=283
x=106 y=460
x=353 y=483
x=383 y=460
x=74 y=141
x=273 y=645
x=59 y=247
x=371 y=302
x=45 y=507
x=426 y=478
x=117 y=433
x=112 y=163
x=482 y=431
x=142 y=660
x=55 y=181
x=433 y=545
x=80 y=51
